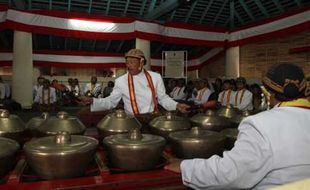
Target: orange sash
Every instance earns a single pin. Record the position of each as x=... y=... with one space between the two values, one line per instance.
x=241 y=97
x=132 y=94
x=201 y=92
x=227 y=98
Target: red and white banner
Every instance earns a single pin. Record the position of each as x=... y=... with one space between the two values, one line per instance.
x=96 y=60
x=122 y=28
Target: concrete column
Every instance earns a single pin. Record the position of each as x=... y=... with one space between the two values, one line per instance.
x=232 y=62
x=22 y=69
x=120 y=71
x=145 y=46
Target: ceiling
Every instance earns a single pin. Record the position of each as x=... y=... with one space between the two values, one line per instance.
x=228 y=14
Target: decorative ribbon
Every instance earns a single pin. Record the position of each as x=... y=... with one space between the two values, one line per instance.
x=132 y=94
x=241 y=97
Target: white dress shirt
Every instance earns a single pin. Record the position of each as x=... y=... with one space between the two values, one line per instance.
x=44 y=93
x=178 y=93
x=203 y=95
x=142 y=91
x=96 y=89
x=244 y=100
x=226 y=99
x=272 y=148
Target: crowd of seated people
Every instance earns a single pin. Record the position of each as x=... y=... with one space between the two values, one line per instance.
x=230 y=92
x=49 y=96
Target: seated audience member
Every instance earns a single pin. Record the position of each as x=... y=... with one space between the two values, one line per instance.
x=243 y=97
x=93 y=88
x=259 y=99
x=272 y=147
x=178 y=92
x=203 y=93
x=217 y=86
x=226 y=97
x=108 y=89
x=191 y=91
x=45 y=99
x=37 y=86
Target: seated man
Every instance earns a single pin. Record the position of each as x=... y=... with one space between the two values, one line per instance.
x=272 y=147
x=178 y=93
x=243 y=97
x=226 y=97
x=93 y=88
x=45 y=99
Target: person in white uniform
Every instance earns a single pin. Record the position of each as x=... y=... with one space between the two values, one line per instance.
x=178 y=93
x=45 y=98
x=93 y=88
x=203 y=93
x=226 y=97
x=243 y=98
x=272 y=147
x=140 y=90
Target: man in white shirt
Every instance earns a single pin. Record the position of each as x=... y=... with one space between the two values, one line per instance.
x=243 y=98
x=45 y=97
x=178 y=92
x=37 y=86
x=93 y=88
x=226 y=97
x=203 y=93
x=139 y=89
x=272 y=147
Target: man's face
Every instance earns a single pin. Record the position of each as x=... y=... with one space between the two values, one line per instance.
x=93 y=80
x=133 y=65
x=226 y=86
x=240 y=85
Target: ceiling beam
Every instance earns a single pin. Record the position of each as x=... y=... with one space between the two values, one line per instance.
x=108 y=7
x=245 y=7
x=279 y=6
x=231 y=14
x=142 y=7
x=50 y=4
x=163 y=9
x=151 y=6
x=190 y=11
x=108 y=45
x=261 y=7
x=206 y=11
x=90 y=6
x=94 y=45
x=220 y=11
x=239 y=17
x=20 y=4
x=120 y=46
x=69 y=5
x=126 y=7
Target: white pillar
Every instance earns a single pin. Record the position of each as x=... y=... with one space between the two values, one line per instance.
x=22 y=69
x=232 y=62
x=145 y=46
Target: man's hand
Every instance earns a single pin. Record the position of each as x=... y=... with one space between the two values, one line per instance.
x=183 y=107
x=84 y=100
x=174 y=165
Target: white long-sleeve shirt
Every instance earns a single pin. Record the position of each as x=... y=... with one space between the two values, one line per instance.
x=44 y=93
x=272 y=148
x=2 y=91
x=226 y=97
x=178 y=93
x=202 y=95
x=243 y=100
x=142 y=91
